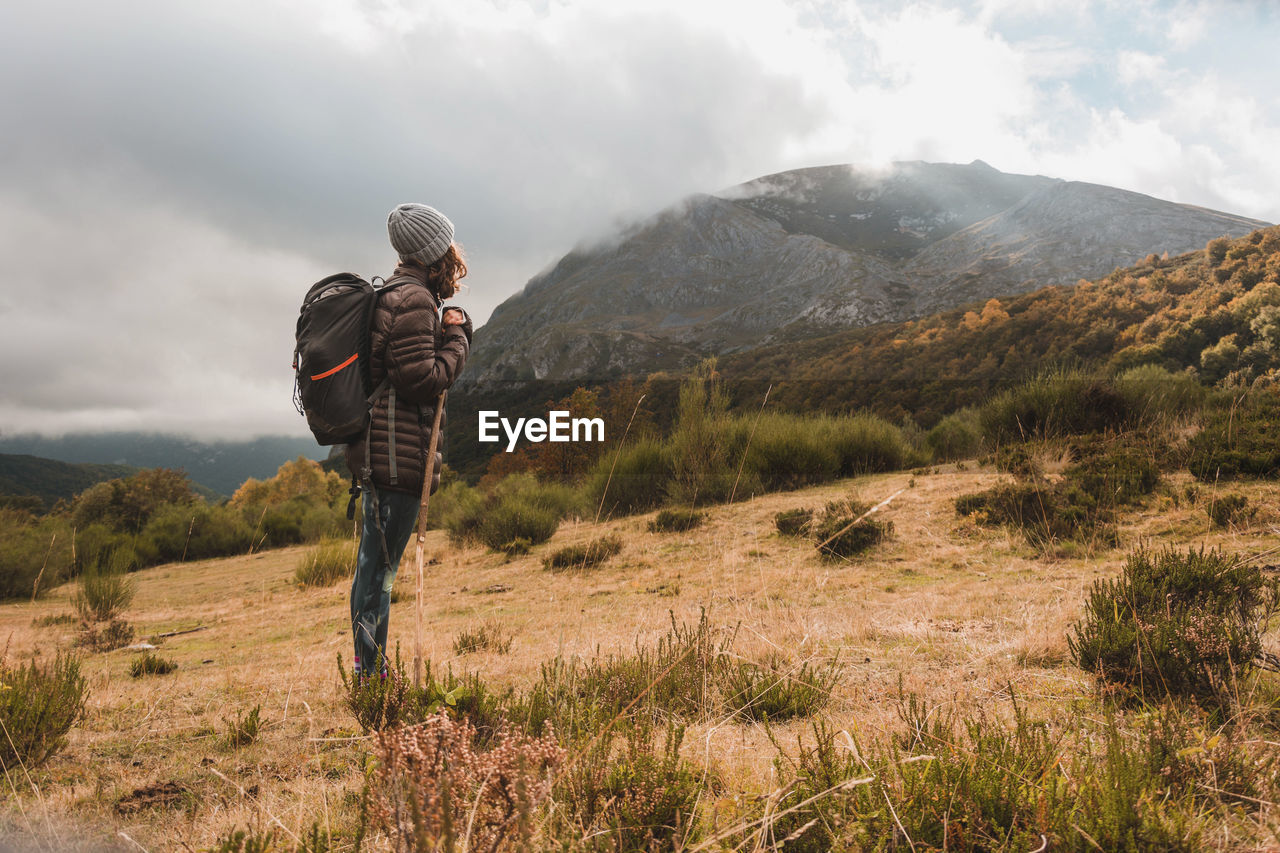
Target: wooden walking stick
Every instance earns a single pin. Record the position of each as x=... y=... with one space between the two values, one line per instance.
x=427 y=475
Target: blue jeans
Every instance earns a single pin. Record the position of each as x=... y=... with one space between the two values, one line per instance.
x=371 y=589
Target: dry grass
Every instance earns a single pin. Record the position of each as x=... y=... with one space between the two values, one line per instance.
x=959 y=613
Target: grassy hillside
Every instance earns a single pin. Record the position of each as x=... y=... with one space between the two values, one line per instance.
x=962 y=615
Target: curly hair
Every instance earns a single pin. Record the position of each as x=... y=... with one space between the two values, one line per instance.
x=444 y=274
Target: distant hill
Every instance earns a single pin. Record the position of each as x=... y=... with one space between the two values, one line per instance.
x=220 y=466
x=51 y=480
x=809 y=252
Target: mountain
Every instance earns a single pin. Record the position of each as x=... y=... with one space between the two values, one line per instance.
x=48 y=479
x=813 y=251
x=221 y=466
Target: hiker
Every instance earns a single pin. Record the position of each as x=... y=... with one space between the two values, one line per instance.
x=421 y=354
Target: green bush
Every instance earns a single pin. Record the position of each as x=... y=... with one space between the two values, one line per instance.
x=245 y=728
x=195 y=531
x=103 y=594
x=839 y=536
x=1176 y=623
x=793 y=522
x=956 y=436
x=150 y=664
x=39 y=703
x=1230 y=509
x=581 y=557
x=516 y=522
x=635 y=796
x=28 y=547
x=382 y=703
x=327 y=563
x=774 y=690
x=676 y=520
x=105 y=637
x=789 y=452
x=1239 y=440
x=637 y=478
x=518 y=509
x=1072 y=402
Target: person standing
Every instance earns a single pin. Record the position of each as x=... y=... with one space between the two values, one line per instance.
x=421 y=354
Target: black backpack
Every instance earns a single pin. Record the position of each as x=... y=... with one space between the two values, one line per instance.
x=332 y=386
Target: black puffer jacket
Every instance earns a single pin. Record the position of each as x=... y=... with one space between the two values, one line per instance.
x=423 y=358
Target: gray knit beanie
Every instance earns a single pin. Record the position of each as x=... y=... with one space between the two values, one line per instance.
x=419 y=232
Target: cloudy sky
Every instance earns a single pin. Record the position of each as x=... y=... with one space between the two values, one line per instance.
x=173 y=176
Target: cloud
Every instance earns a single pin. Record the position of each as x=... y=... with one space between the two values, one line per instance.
x=183 y=171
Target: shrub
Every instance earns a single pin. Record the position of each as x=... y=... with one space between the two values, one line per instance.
x=488 y=637
x=102 y=595
x=680 y=676
x=774 y=690
x=866 y=444
x=982 y=784
x=1239 y=441
x=1230 y=509
x=1057 y=403
x=581 y=557
x=1107 y=472
x=30 y=547
x=517 y=508
x=104 y=638
x=676 y=520
x=1182 y=624
x=515 y=524
x=245 y=728
x=382 y=703
x=839 y=535
x=327 y=563
x=195 y=531
x=956 y=436
x=636 y=477
x=149 y=664
x=793 y=522
x=638 y=795
x=39 y=703
x=431 y=788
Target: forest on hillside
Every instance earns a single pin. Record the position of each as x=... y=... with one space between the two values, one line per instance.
x=1213 y=313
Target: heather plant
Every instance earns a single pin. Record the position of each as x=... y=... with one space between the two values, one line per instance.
x=582 y=557
x=39 y=703
x=793 y=522
x=992 y=782
x=1176 y=623
x=380 y=703
x=631 y=789
x=676 y=520
x=432 y=789
x=776 y=690
x=1229 y=510
x=845 y=530
x=245 y=728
